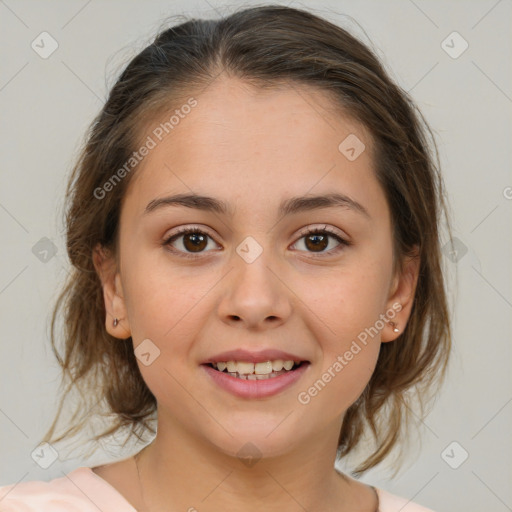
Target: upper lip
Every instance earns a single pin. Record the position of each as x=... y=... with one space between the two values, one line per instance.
x=253 y=357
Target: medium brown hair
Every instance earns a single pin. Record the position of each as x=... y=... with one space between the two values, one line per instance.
x=264 y=46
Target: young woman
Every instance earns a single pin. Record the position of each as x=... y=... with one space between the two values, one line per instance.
x=253 y=226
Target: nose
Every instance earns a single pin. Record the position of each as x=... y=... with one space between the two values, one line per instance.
x=254 y=295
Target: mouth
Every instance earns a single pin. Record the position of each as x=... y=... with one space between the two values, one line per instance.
x=256 y=371
x=255 y=380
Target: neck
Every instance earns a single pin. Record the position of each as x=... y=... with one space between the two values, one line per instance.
x=179 y=471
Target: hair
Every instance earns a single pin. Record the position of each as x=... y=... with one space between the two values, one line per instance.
x=264 y=46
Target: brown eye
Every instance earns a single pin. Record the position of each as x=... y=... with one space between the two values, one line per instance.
x=317 y=242
x=195 y=242
x=189 y=241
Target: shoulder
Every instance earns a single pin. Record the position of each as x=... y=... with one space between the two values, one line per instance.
x=390 y=503
x=80 y=490
x=59 y=494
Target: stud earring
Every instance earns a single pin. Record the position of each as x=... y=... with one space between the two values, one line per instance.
x=116 y=321
x=395 y=328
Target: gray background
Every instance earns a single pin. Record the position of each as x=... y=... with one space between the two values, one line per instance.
x=48 y=103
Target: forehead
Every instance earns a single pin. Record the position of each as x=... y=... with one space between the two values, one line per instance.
x=243 y=120
x=246 y=144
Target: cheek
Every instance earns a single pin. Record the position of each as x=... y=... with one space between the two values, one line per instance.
x=161 y=298
x=347 y=363
x=346 y=302
x=340 y=384
x=349 y=333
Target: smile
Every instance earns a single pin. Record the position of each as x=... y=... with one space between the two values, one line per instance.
x=255 y=380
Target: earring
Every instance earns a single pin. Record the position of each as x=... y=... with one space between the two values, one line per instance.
x=395 y=328
x=116 y=321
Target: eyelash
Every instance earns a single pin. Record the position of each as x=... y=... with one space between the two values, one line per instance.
x=310 y=231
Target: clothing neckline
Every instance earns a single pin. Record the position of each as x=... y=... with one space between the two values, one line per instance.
x=90 y=480
x=115 y=496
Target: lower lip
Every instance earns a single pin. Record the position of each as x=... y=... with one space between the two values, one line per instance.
x=256 y=388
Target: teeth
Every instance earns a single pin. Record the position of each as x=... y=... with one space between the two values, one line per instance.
x=245 y=368
x=263 y=368
x=253 y=376
x=254 y=370
x=277 y=365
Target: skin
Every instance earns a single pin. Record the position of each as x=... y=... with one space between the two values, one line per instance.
x=252 y=149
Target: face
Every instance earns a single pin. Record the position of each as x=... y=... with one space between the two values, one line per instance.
x=251 y=277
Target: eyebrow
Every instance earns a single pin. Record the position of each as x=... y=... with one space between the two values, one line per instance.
x=287 y=207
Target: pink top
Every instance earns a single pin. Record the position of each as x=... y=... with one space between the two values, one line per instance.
x=82 y=490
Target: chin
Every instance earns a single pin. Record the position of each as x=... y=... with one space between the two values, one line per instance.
x=253 y=443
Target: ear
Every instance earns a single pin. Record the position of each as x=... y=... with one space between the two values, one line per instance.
x=401 y=296
x=106 y=267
